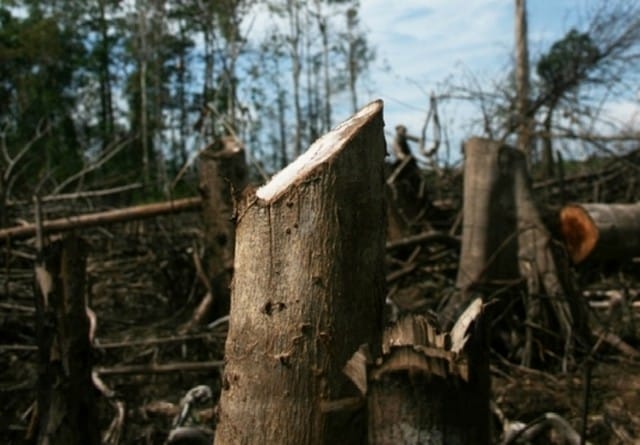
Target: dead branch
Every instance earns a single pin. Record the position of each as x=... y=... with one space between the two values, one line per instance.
x=154 y=368
x=103 y=218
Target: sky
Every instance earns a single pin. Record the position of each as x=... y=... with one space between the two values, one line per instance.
x=427 y=42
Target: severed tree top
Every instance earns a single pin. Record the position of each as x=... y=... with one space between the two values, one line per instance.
x=320 y=151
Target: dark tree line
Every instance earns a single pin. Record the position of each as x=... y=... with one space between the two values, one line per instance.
x=102 y=93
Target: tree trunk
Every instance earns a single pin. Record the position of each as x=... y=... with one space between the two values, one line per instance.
x=488 y=228
x=223 y=173
x=293 y=9
x=429 y=387
x=307 y=291
x=352 y=57
x=67 y=411
x=144 y=127
x=323 y=24
x=106 y=105
x=548 y=163
x=601 y=231
x=522 y=80
x=489 y=224
x=539 y=266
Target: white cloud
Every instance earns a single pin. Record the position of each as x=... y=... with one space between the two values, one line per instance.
x=426 y=41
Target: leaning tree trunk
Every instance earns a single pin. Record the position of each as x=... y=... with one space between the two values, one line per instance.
x=428 y=387
x=307 y=291
x=538 y=264
x=67 y=412
x=601 y=231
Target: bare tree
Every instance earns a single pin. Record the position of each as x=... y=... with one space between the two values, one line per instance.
x=522 y=79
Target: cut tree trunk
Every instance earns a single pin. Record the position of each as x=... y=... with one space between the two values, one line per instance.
x=504 y=240
x=428 y=387
x=222 y=173
x=308 y=290
x=489 y=224
x=67 y=412
x=489 y=241
x=601 y=231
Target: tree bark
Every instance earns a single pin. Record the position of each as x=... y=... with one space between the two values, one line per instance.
x=548 y=164
x=307 y=291
x=489 y=240
x=522 y=80
x=538 y=264
x=489 y=225
x=601 y=231
x=103 y=218
x=223 y=173
x=67 y=411
x=429 y=387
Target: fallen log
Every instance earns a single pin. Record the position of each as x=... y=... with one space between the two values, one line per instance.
x=601 y=231
x=103 y=218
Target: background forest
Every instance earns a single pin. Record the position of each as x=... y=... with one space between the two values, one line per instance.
x=114 y=92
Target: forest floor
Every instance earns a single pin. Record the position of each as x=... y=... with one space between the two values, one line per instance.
x=143 y=287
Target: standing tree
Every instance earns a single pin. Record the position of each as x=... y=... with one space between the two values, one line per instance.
x=523 y=117
x=561 y=70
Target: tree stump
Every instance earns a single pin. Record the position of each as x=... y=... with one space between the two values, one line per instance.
x=489 y=238
x=222 y=172
x=601 y=231
x=67 y=411
x=428 y=387
x=489 y=224
x=308 y=290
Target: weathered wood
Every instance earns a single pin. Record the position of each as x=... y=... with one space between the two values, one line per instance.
x=67 y=412
x=431 y=387
x=489 y=223
x=103 y=218
x=539 y=266
x=222 y=173
x=307 y=291
x=601 y=231
x=489 y=238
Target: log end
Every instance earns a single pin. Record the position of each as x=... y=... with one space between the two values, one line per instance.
x=320 y=152
x=579 y=232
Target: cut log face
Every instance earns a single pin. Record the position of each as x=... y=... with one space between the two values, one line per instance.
x=307 y=290
x=601 y=231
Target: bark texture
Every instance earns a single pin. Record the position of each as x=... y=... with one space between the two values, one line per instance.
x=489 y=225
x=522 y=79
x=601 y=231
x=431 y=388
x=66 y=402
x=222 y=173
x=307 y=291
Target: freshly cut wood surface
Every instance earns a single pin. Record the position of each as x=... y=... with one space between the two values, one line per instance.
x=601 y=231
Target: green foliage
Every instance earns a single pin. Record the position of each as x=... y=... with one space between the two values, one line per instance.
x=567 y=63
x=75 y=69
x=38 y=60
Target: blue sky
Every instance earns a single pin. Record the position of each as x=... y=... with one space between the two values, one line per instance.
x=427 y=42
